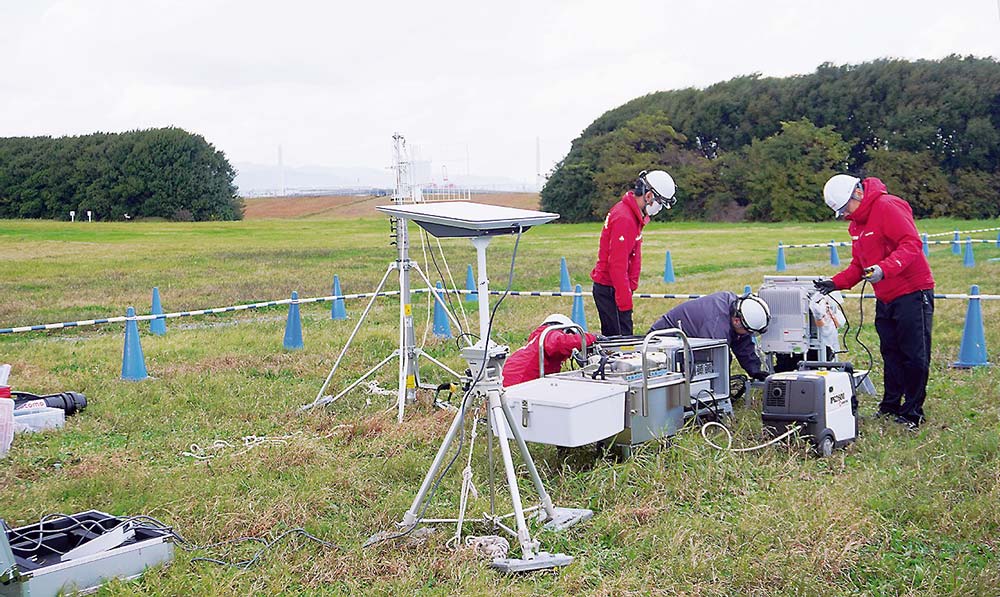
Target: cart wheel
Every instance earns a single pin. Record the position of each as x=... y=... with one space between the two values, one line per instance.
x=826 y=447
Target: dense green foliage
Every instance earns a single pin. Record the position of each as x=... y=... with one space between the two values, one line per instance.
x=166 y=173
x=760 y=148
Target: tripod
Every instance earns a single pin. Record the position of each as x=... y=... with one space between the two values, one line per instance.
x=407 y=352
x=486 y=358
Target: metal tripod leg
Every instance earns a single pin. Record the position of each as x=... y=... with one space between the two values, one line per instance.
x=556 y=519
x=529 y=548
x=357 y=382
x=412 y=515
x=319 y=396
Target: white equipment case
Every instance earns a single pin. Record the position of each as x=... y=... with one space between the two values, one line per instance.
x=567 y=412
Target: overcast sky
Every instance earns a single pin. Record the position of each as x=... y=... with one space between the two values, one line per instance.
x=473 y=83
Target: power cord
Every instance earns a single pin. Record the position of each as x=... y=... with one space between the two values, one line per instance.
x=729 y=438
x=857 y=332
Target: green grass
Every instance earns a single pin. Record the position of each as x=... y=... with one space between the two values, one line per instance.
x=896 y=513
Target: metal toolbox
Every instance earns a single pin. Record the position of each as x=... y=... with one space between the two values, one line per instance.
x=77 y=553
x=709 y=382
x=566 y=412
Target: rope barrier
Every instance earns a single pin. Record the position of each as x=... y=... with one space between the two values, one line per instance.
x=301 y=301
x=847 y=244
x=962 y=232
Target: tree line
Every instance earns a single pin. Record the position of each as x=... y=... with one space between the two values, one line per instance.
x=761 y=148
x=164 y=173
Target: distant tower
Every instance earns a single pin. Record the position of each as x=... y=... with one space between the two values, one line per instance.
x=281 y=172
x=538 y=163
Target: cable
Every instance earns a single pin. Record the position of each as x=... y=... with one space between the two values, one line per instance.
x=729 y=438
x=857 y=333
x=462 y=407
x=145 y=522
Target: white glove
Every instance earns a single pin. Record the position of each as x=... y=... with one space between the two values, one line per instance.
x=874 y=274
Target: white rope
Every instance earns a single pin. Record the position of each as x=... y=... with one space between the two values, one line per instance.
x=729 y=438
x=249 y=443
x=451 y=278
x=489 y=546
x=467 y=485
x=430 y=297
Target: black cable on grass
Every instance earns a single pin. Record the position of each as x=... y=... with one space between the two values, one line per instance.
x=462 y=407
x=857 y=333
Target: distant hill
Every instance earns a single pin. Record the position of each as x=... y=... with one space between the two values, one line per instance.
x=353 y=206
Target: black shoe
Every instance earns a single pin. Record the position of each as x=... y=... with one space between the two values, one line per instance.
x=907 y=422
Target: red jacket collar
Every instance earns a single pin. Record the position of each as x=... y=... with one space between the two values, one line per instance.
x=874 y=189
x=629 y=200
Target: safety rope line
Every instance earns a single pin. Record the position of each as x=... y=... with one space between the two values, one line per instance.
x=301 y=301
x=962 y=232
x=930 y=242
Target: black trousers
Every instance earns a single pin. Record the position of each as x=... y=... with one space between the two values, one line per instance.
x=613 y=321
x=904 y=334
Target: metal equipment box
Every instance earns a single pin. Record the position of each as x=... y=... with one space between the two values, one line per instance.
x=792 y=331
x=709 y=369
x=566 y=412
x=77 y=553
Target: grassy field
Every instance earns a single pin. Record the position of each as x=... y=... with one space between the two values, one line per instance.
x=897 y=513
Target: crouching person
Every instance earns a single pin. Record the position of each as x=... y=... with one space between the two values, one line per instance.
x=723 y=316
x=522 y=366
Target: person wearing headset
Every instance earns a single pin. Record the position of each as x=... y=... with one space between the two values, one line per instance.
x=723 y=316
x=619 y=255
x=886 y=250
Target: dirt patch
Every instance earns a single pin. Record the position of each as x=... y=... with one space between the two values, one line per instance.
x=356 y=206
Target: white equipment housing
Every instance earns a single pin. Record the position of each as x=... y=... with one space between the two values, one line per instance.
x=819 y=397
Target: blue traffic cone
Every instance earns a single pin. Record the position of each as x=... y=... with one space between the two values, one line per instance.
x=133 y=363
x=781 y=258
x=927 y=248
x=970 y=259
x=668 y=269
x=338 y=310
x=956 y=248
x=293 y=327
x=442 y=327
x=578 y=316
x=834 y=257
x=998 y=240
x=747 y=289
x=470 y=285
x=972 y=351
x=564 y=285
x=157 y=326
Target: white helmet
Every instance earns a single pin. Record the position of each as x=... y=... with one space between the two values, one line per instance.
x=752 y=312
x=838 y=190
x=660 y=183
x=557 y=319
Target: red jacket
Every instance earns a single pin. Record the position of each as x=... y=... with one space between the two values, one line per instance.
x=883 y=233
x=619 y=257
x=522 y=366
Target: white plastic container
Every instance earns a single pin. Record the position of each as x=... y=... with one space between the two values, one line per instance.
x=6 y=425
x=567 y=412
x=33 y=420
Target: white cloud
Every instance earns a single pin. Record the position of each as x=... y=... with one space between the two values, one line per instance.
x=331 y=82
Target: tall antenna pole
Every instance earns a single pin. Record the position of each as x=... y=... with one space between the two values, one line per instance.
x=407 y=389
x=281 y=171
x=538 y=163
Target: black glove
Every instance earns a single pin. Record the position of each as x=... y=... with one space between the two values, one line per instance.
x=825 y=286
x=760 y=375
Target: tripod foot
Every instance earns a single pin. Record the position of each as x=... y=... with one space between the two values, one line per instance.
x=543 y=560
x=567 y=517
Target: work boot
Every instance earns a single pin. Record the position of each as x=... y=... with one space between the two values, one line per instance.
x=908 y=422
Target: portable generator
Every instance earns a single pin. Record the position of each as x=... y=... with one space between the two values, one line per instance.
x=819 y=397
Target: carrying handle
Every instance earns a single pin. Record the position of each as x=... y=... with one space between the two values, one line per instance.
x=552 y=328
x=688 y=360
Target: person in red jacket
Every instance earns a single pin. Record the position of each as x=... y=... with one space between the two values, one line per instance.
x=619 y=255
x=887 y=251
x=522 y=366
